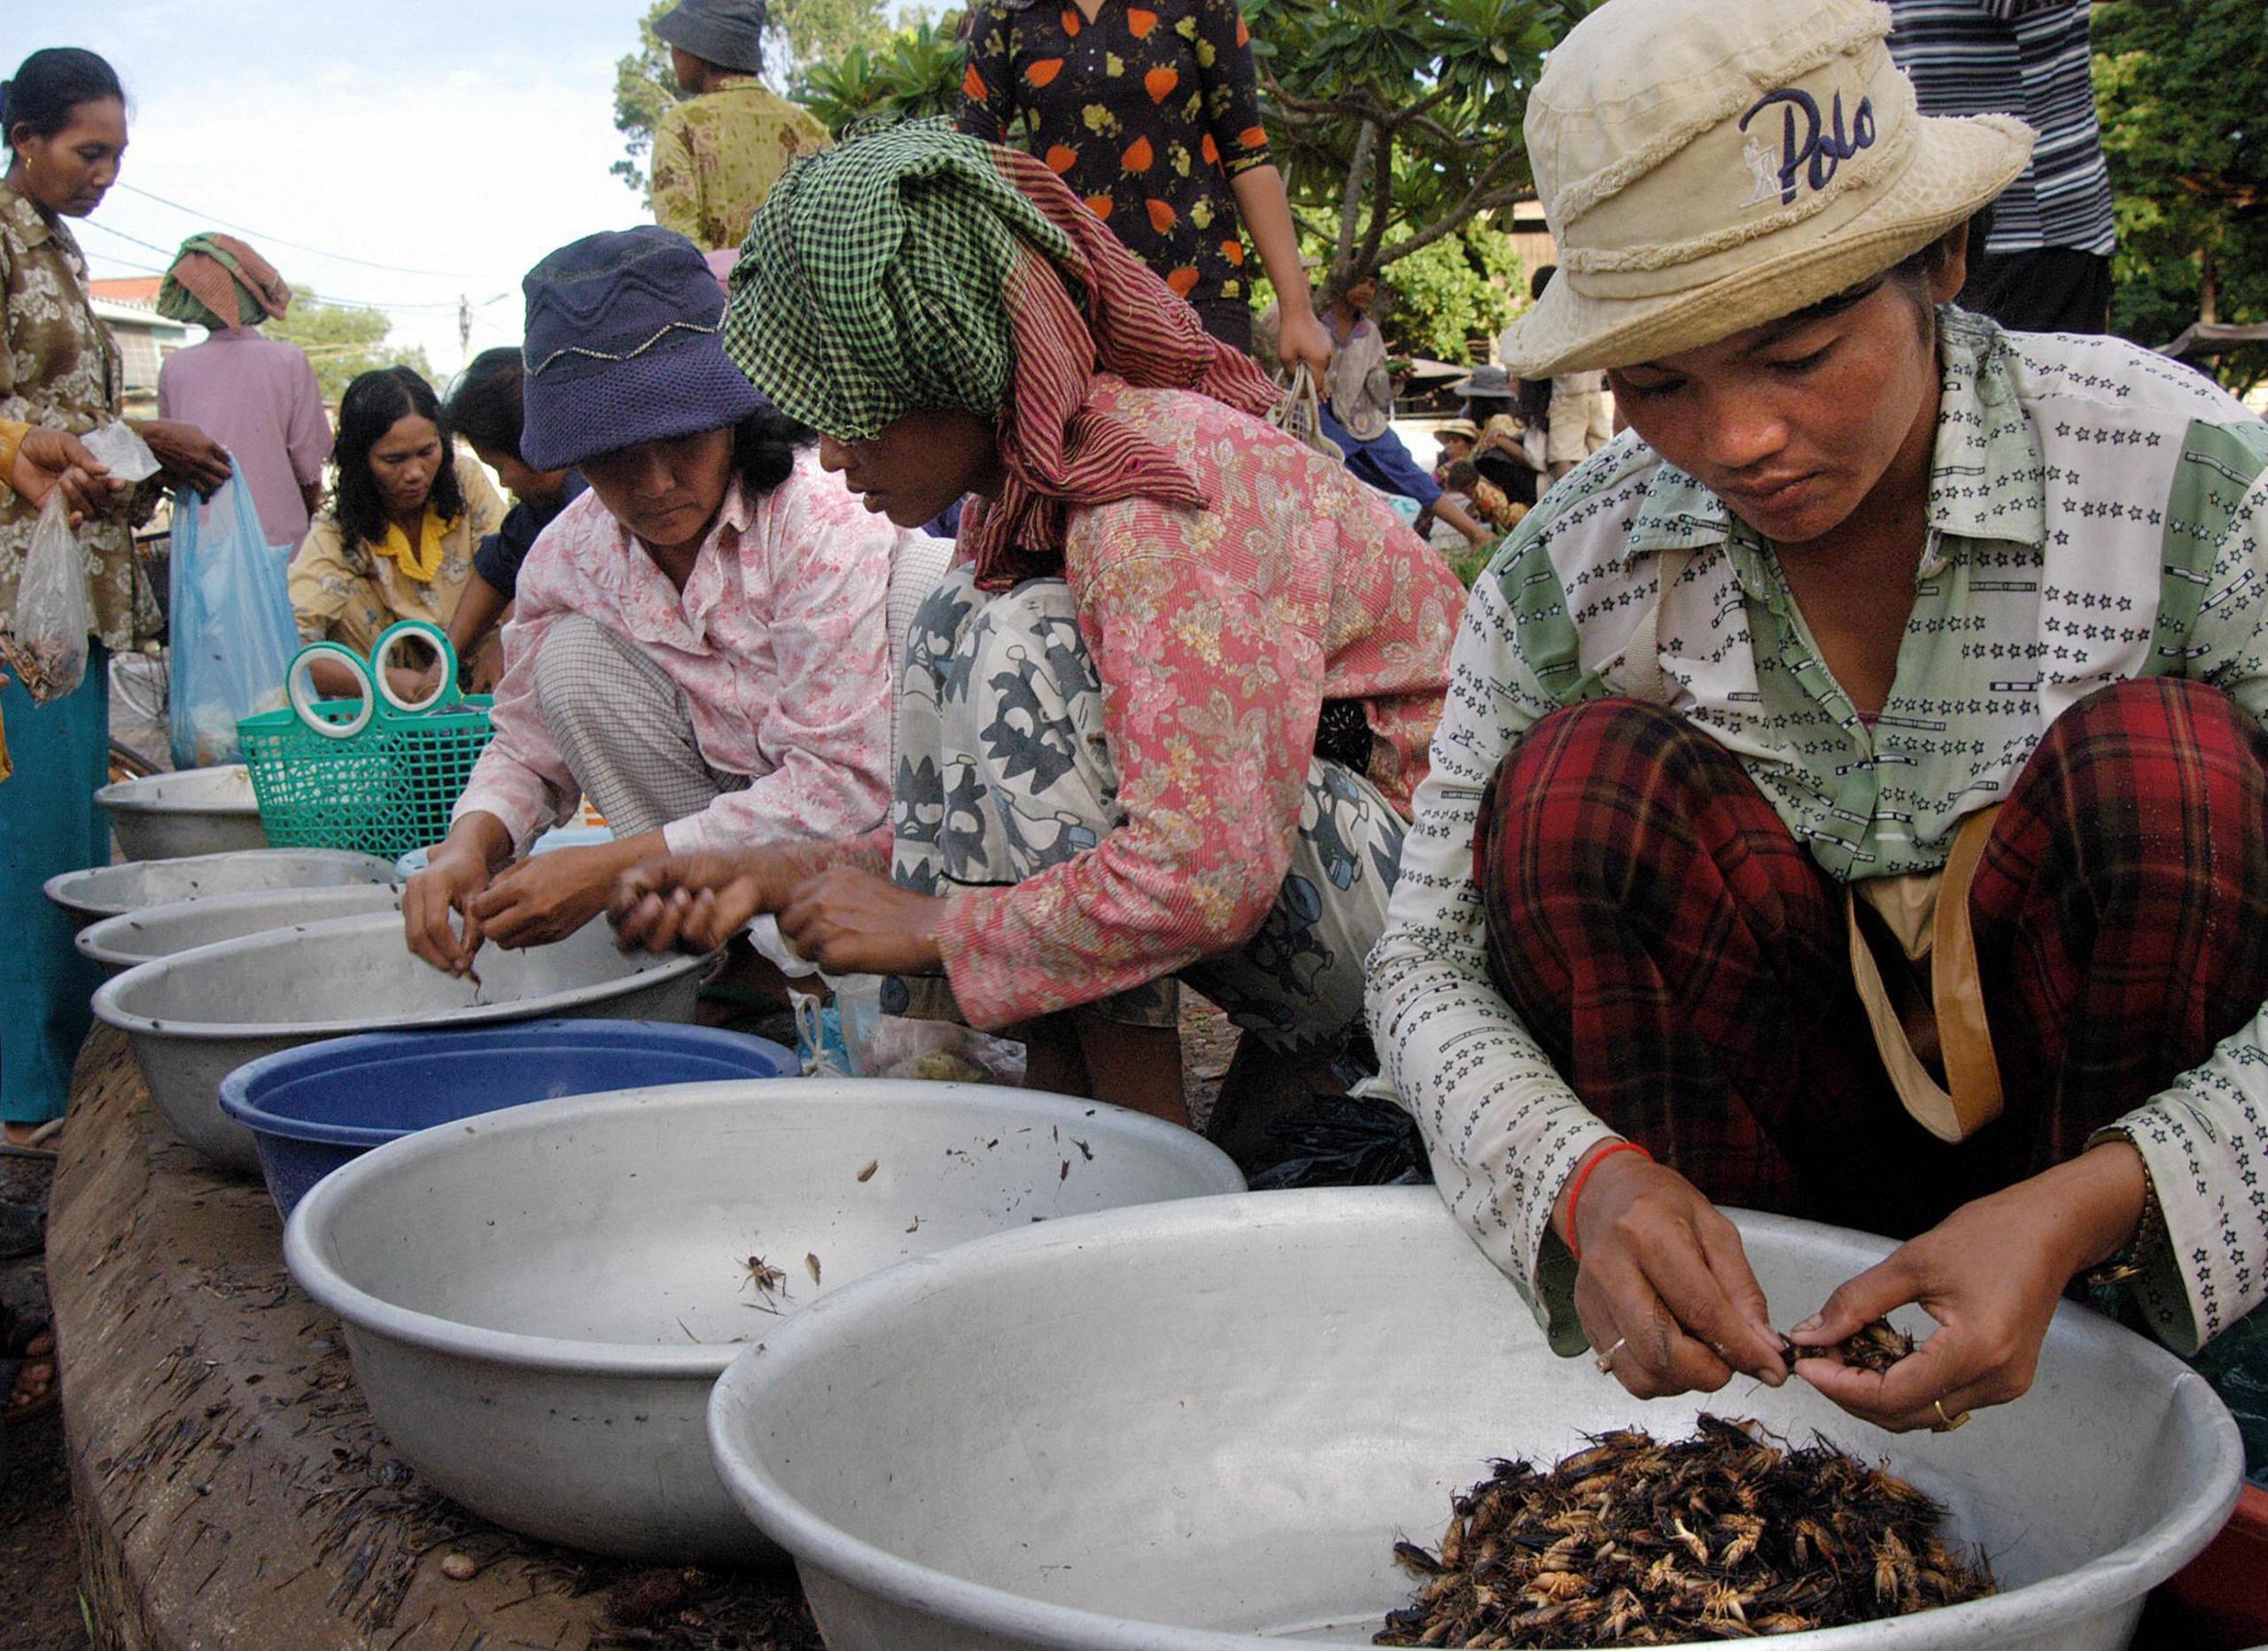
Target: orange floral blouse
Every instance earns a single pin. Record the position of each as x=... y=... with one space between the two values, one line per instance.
x=1148 y=111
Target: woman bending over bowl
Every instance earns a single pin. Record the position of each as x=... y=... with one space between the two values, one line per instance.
x=1851 y=802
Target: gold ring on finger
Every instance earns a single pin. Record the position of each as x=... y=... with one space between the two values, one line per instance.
x=1946 y=1424
x=1606 y=1360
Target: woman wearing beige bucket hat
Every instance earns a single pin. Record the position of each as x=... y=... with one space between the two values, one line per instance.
x=1851 y=800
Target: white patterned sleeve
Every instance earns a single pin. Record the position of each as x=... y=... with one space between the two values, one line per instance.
x=1501 y=1126
x=2205 y=1137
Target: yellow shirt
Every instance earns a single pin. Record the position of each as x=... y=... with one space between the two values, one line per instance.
x=717 y=156
x=350 y=594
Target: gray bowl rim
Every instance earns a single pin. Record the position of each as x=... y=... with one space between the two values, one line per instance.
x=121 y=796
x=551 y=1005
x=2103 y=1582
x=90 y=938
x=307 y=1256
x=59 y=888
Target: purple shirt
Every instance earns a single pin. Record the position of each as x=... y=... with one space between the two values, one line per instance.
x=257 y=398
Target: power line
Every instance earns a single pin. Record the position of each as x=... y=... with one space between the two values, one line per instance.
x=319 y=297
x=299 y=246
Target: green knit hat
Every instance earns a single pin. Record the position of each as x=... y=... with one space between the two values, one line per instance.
x=875 y=281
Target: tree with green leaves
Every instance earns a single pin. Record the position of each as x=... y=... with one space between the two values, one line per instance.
x=801 y=32
x=1396 y=124
x=2178 y=89
x=343 y=340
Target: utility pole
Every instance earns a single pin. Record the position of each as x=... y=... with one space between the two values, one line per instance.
x=464 y=323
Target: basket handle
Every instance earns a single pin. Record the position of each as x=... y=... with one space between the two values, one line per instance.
x=444 y=695
x=299 y=686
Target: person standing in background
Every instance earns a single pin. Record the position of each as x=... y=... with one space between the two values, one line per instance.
x=2045 y=266
x=254 y=395
x=64 y=118
x=1358 y=414
x=1150 y=113
x=717 y=155
x=1574 y=410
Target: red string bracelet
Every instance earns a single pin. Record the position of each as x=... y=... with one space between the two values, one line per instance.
x=1584 y=1175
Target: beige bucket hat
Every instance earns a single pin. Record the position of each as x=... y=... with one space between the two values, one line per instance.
x=1707 y=165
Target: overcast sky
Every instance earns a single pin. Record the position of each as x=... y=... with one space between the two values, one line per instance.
x=461 y=137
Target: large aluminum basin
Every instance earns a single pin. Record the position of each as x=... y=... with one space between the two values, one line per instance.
x=197 y=811
x=196 y=1016
x=538 y=1301
x=119 y=943
x=104 y=891
x=1189 y=1425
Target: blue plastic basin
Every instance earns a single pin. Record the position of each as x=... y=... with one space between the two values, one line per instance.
x=312 y=1108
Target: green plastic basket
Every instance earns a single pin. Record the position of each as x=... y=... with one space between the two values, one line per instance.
x=383 y=791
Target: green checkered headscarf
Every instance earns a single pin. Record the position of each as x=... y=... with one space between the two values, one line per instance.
x=872 y=283
x=918 y=270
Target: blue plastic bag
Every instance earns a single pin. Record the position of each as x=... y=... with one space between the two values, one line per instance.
x=233 y=634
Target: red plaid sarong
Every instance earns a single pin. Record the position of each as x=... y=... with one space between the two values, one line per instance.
x=1686 y=964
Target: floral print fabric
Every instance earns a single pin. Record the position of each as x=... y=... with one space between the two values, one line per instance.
x=1147 y=112
x=1217 y=632
x=59 y=367
x=717 y=156
x=1003 y=770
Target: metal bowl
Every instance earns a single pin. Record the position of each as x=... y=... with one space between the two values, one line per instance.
x=104 y=891
x=197 y=811
x=196 y=1016
x=1192 y=1425
x=539 y=1300
x=135 y=937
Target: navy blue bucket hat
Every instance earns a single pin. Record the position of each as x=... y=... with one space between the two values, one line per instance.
x=625 y=345
x=727 y=33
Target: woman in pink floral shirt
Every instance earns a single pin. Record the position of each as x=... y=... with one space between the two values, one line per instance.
x=699 y=641
x=1165 y=717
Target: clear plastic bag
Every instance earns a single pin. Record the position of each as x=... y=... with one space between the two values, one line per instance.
x=52 y=617
x=233 y=632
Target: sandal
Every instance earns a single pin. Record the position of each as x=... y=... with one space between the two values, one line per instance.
x=26 y=1365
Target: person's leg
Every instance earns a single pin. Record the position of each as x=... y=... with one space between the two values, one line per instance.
x=623 y=727
x=1296 y=986
x=1685 y=963
x=48 y=824
x=1003 y=773
x=2050 y=289
x=2121 y=910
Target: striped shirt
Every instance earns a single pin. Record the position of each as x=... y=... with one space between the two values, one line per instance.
x=2028 y=59
x=2096 y=514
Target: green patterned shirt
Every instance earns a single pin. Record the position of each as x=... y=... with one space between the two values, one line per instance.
x=2096 y=514
x=717 y=156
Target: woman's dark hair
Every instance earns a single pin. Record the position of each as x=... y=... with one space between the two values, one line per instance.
x=485 y=407
x=373 y=403
x=764 y=448
x=49 y=86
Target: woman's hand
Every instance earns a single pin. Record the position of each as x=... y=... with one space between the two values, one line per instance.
x=455 y=876
x=412 y=683
x=851 y=922
x=1302 y=340
x=50 y=458
x=694 y=902
x=1665 y=1285
x=191 y=457
x=547 y=897
x=1991 y=1274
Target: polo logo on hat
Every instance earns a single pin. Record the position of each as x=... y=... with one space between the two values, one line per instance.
x=1823 y=147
